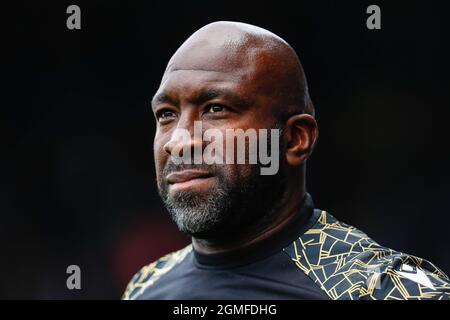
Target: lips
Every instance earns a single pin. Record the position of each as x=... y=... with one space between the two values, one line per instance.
x=186 y=175
x=190 y=180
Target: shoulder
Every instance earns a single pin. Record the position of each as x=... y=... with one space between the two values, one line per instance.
x=347 y=264
x=152 y=272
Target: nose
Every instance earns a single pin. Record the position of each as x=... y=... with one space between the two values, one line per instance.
x=186 y=143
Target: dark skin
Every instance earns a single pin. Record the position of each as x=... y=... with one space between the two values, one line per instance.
x=231 y=75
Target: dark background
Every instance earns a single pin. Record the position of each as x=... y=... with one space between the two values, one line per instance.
x=77 y=176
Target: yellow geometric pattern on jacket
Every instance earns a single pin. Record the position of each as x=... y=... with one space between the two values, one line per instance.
x=343 y=261
x=347 y=264
x=152 y=272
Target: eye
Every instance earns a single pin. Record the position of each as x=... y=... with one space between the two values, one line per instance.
x=165 y=115
x=215 y=108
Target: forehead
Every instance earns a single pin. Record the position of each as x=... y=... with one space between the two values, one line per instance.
x=190 y=84
x=203 y=64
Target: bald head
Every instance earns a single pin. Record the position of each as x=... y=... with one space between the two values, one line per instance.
x=252 y=55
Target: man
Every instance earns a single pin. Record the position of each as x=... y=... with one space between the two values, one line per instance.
x=257 y=236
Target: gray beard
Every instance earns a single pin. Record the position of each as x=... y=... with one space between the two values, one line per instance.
x=195 y=215
x=227 y=209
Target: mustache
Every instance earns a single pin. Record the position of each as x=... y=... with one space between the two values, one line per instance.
x=173 y=167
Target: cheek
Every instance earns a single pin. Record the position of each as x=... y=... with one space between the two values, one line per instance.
x=160 y=155
x=235 y=174
x=244 y=171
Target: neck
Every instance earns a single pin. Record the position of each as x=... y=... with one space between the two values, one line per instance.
x=283 y=213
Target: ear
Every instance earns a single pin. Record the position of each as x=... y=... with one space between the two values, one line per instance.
x=300 y=137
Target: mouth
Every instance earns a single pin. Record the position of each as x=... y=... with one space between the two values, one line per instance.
x=193 y=180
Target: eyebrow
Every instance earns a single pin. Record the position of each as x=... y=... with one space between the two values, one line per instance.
x=204 y=96
x=162 y=97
